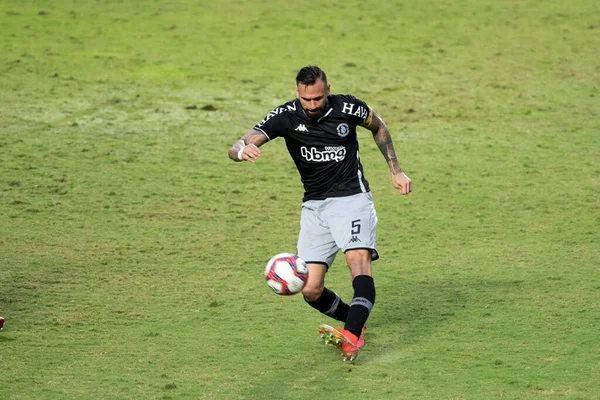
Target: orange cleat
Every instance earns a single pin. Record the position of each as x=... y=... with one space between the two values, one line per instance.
x=361 y=339
x=345 y=341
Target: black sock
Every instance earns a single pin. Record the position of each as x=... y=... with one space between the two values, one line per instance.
x=331 y=305
x=362 y=303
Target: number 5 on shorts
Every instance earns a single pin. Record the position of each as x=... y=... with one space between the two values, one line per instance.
x=355 y=227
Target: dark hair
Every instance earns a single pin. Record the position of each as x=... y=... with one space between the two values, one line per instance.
x=310 y=74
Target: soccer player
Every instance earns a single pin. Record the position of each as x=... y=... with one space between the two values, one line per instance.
x=319 y=129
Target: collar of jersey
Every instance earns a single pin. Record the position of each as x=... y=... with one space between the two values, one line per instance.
x=303 y=113
x=326 y=114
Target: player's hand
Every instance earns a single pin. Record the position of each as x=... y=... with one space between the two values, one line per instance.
x=250 y=153
x=402 y=183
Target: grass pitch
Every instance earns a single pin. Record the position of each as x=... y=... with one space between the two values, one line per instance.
x=132 y=249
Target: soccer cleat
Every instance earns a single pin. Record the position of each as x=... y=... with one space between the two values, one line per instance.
x=361 y=339
x=1 y=323
x=330 y=335
x=345 y=341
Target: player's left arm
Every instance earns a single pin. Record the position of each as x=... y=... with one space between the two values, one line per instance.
x=383 y=139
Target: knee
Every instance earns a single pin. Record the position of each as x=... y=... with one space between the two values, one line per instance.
x=312 y=292
x=359 y=262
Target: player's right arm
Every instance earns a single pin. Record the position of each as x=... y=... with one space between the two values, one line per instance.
x=247 y=148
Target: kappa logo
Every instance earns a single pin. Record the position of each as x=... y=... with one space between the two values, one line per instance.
x=354 y=239
x=301 y=128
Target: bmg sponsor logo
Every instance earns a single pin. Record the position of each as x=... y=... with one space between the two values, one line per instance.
x=329 y=153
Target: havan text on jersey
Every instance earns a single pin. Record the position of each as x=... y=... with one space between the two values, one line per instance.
x=329 y=153
x=360 y=111
x=277 y=111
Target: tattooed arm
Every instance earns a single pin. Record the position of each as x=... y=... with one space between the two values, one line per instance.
x=383 y=139
x=247 y=148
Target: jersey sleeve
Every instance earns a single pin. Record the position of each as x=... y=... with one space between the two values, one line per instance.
x=357 y=110
x=274 y=124
x=367 y=121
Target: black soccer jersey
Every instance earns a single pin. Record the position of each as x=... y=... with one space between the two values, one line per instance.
x=325 y=151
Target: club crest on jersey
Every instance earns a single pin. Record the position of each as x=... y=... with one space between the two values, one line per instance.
x=343 y=129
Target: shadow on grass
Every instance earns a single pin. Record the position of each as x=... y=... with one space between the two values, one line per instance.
x=4 y=338
x=414 y=310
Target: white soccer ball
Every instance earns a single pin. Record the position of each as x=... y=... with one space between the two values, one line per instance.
x=286 y=274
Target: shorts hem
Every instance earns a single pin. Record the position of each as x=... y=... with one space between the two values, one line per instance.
x=374 y=252
x=318 y=262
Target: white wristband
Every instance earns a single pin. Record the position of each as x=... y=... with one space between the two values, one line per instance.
x=241 y=152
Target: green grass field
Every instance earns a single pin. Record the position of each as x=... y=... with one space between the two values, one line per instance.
x=132 y=249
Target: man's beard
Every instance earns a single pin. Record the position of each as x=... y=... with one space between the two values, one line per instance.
x=314 y=115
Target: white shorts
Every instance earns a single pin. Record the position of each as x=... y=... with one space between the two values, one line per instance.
x=345 y=223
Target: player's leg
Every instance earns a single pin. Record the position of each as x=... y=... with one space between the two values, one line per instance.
x=354 y=222
x=317 y=247
x=315 y=285
x=350 y=339
x=320 y=298
x=359 y=262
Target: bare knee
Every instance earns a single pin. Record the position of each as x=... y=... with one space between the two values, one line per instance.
x=359 y=262
x=316 y=282
x=312 y=292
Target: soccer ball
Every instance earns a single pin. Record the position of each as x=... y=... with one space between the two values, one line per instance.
x=286 y=274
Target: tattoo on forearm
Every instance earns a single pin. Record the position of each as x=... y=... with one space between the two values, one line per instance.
x=383 y=140
x=254 y=137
